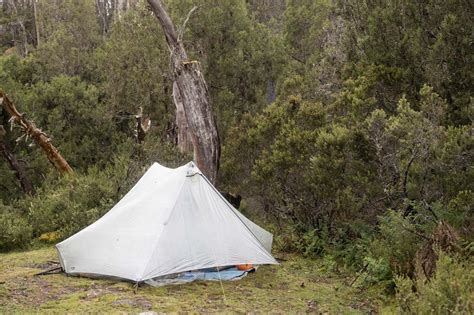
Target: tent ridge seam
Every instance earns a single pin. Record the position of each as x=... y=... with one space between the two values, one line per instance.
x=159 y=237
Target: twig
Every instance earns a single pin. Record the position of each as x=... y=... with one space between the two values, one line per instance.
x=416 y=233
x=182 y=28
x=53 y=262
x=49 y=271
x=359 y=274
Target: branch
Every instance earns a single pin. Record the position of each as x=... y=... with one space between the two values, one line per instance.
x=165 y=21
x=297 y=59
x=416 y=233
x=183 y=27
x=405 y=175
x=39 y=136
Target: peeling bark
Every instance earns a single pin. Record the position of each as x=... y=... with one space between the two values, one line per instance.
x=195 y=98
x=184 y=139
x=38 y=136
x=142 y=126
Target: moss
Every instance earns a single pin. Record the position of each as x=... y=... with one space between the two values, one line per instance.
x=297 y=285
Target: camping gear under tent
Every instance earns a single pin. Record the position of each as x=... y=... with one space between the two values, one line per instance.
x=172 y=221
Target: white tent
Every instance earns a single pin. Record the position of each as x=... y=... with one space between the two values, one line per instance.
x=172 y=220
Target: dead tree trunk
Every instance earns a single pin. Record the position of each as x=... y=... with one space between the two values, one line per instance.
x=35 y=16
x=102 y=13
x=185 y=141
x=142 y=126
x=23 y=48
x=194 y=93
x=16 y=167
x=38 y=136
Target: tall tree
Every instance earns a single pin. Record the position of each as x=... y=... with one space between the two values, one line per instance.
x=193 y=91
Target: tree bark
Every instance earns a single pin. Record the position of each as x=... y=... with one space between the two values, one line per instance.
x=142 y=126
x=121 y=6
x=194 y=93
x=184 y=139
x=23 y=49
x=16 y=167
x=35 y=16
x=102 y=12
x=38 y=136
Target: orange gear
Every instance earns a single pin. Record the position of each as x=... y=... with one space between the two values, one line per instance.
x=244 y=267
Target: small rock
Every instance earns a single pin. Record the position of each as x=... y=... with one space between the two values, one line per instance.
x=312 y=305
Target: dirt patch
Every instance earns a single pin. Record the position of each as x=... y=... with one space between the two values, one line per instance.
x=44 y=265
x=97 y=290
x=35 y=291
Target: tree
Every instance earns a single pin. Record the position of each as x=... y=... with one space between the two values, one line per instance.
x=193 y=91
x=241 y=58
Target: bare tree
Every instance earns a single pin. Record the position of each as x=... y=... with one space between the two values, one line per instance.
x=19 y=28
x=35 y=18
x=194 y=94
x=101 y=8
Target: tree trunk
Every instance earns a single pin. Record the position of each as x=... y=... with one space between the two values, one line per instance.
x=23 y=48
x=38 y=136
x=35 y=16
x=102 y=13
x=121 y=6
x=194 y=93
x=16 y=167
x=142 y=126
x=185 y=141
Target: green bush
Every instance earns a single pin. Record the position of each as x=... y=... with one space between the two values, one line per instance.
x=313 y=243
x=450 y=291
x=73 y=202
x=15 y=232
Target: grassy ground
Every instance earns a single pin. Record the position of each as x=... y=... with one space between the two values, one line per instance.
x=297 y=286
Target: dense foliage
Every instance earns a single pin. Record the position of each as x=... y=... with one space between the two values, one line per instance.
x=346 y=124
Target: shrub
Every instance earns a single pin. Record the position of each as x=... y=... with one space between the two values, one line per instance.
x=313 y=243
x=71 y=203
x=396 y=244
x=449 y=291
x=15 y=232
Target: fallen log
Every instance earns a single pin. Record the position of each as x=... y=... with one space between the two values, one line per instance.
x=40 y=138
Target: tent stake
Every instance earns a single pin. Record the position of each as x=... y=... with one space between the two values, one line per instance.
x=135 y=288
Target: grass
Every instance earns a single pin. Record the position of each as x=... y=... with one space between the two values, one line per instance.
x=298 y=285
